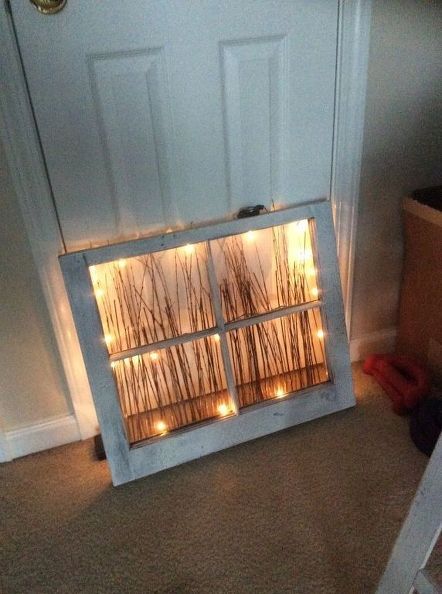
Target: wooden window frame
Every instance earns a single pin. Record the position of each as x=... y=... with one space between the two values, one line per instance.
x=130 y=462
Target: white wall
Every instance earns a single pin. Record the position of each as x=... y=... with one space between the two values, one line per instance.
x=32 y=385
x=402 y=148
x=401 y=152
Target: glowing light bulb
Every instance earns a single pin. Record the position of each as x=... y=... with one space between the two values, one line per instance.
x=113 y=364
x=311 y=272
x=320 y=334
x=280 y=393
x=99 y=293
x=250 y=236
x=122 y=263
x=154 y=356
x=189 y=249
x=108 y=338
x=315 y=292
x=216 y=337
x=161 y=427
x=223 y=409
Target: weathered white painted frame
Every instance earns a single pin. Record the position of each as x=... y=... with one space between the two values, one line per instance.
x=128 y=463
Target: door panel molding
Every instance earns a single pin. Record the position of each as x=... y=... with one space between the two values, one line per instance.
x=123 y=83
x=26 y=163
x=255 y=85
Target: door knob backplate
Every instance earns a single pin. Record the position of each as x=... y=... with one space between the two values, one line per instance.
x=49 y=6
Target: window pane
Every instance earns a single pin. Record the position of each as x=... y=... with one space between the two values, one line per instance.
x=263 y=270
x=153 y=297
x=275 y=358
x=171 y=388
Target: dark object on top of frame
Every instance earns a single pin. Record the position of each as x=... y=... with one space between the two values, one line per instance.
x=250 y=211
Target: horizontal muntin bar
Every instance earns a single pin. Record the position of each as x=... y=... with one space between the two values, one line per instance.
x=163 y=344
x=274 y=314
x=191 y=336
x=174 y=239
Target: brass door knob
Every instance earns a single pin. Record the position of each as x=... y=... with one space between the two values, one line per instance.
x=49 y=6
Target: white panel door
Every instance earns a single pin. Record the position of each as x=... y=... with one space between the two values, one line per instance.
x=154 y=113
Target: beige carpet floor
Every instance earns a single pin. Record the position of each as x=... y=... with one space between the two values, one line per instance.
x=313 y=509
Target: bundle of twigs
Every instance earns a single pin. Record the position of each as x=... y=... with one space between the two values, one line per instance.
x=180 y=385
x=156 y=297
x=142 y=303
x=280 y=356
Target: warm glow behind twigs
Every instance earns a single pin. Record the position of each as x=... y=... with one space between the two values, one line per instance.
x=189 y=249
x=299 y=227
x=170 y=388
x=161 y=427
x=304 y=255
x=223 y=410
x=132 y=360
x=250 y=236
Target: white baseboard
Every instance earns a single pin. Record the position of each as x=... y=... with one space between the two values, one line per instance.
x=382 y=341
x=5 y=452
x=41 y=436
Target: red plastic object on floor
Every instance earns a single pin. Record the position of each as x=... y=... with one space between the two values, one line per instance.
x=404 y=379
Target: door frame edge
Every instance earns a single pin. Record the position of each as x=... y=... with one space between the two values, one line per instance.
x=353 y=48
x=25 y=161
x=29 y=178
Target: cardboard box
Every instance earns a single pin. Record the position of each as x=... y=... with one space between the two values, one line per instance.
x=420 y=310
